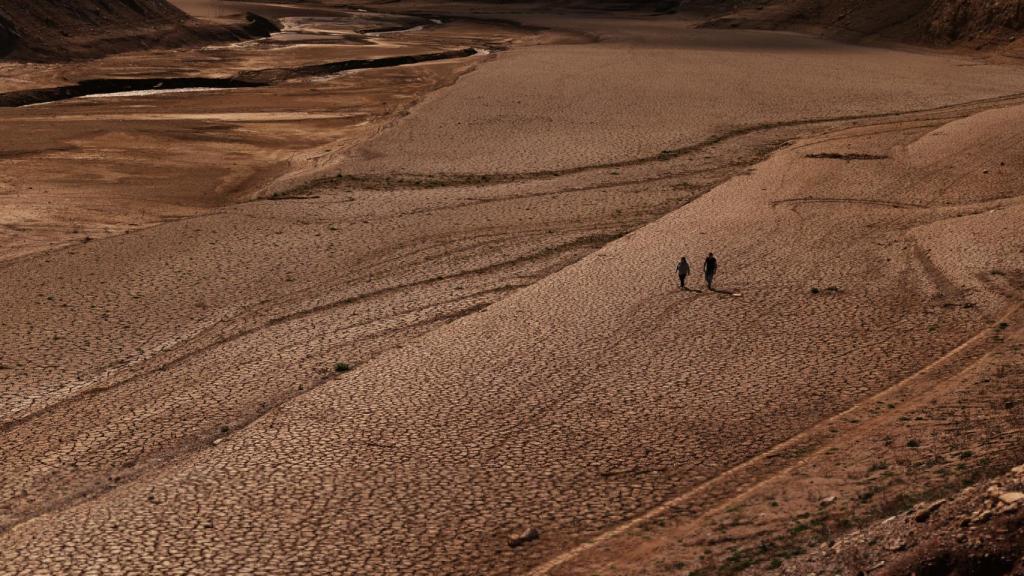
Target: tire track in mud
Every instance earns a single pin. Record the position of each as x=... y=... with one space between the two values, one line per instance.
x=141 y=468
x=596 y=240
x=408 y=322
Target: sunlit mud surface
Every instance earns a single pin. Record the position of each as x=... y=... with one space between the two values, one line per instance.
x=448 y=311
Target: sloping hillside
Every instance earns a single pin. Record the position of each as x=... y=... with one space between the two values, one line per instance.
x=943 y=22
x=58 y=29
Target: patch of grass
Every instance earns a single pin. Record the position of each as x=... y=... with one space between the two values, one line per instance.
x=867 y=494
x=738 y=562
x=677 y=565
x=801 y=527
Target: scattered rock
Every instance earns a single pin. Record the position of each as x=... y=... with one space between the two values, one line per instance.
x=927 y=512
x=827 y=501
x=981 y=517
x=896 y=545
x=528 y=535
x=1011 y=497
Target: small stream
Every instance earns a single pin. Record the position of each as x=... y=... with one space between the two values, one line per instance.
x=114 y=86
x=250 y=79
x=338 y=26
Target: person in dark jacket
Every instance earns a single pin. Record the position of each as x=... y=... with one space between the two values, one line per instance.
x=710 y=268
x=683 y=268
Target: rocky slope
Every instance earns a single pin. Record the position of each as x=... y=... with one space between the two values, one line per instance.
x=48 y=30
x=942 y=22
x=978 y=531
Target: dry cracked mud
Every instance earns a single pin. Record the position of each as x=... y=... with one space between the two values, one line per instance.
x=497 y=266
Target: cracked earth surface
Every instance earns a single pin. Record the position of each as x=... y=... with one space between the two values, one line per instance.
x=168 y=398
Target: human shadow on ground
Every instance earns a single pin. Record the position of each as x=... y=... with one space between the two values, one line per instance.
x=725 y=291
x=722 y=291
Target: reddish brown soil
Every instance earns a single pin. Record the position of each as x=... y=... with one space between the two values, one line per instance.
x=955 y=422
x=56 y=30
x=447 y=315
x=86 y=168
x=974 y=23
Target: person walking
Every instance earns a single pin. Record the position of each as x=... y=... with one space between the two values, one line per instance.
x=710 y=268
x=683 y=268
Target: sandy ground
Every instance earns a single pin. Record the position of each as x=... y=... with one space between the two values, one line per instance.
x=170 y=399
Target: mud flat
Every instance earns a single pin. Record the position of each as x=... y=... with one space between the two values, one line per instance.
x=657 y=86
x=507 y=375
x=944 y=191
x=77 y=169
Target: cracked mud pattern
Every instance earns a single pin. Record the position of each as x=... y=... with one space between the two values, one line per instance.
x=169 y=402
x=652 y=86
